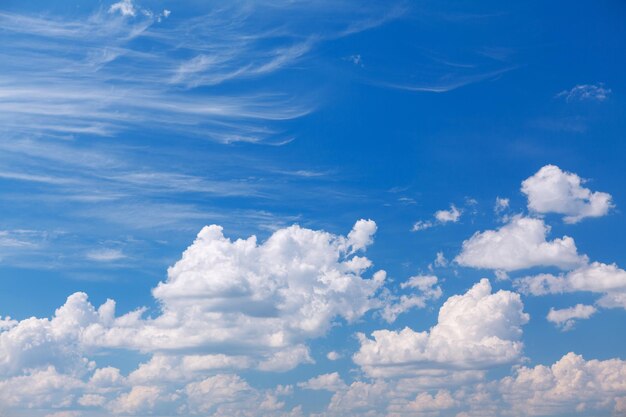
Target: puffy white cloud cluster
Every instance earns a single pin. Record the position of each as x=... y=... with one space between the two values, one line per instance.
x=519 y=244
x=475 y=330
x=552 y=190
x=273 y=295
x=570 y=385
x=226 y=305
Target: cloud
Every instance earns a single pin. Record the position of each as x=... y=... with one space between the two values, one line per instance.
x=328 y=382
x=428 y=290
x=585 y=92
x=333 y=355
x=474 y=331
x=570 y=385
x=445 y=216
x=596 y=277
x=566 y=317
x=441 y=217
x=225 y=304
x=105 y=255
x=87 y=75
x=552 y=190
x=519 y=244
x=424 y=402
x=141 y=398
x=501 y=205
x=124 y=7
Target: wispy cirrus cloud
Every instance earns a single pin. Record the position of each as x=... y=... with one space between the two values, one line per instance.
x=125 y=67
x=585 y=92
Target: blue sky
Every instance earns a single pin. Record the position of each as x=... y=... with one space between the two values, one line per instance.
x=321 y=209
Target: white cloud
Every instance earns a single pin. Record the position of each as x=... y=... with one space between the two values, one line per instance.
x=105 y=255
x=41 y=388
x=428 y=290
x=501 y=205
x=445 y=216
x=333 y=355
x=475 y=330
x=328 y=382
x=586 y=92
x=124 y=7
x=596 y=277
x=286 y=290
x=263 y=301
x=141 y=398
x=440 y=260
x=441 y=217
x=424 y=402
x=519 y=244
x=570 y=385
x=421 y=225
x=552 y=190
x=566 y=317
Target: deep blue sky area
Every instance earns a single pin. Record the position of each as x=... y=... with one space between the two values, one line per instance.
x=126 y=127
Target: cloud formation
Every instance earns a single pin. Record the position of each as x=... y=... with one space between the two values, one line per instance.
x=585 y=92
x=565 y=318
x=474 y=331
x=519 y=244
x=552 y=190
x=596 y=277
x=441 y=217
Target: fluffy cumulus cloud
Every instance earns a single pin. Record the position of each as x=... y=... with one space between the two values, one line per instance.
x=519 y=244
x=552 y=190
x=570 y=385
x=226 y=305
x=263 y=297
x=596 y=277
x=474 y=330
x=565 y=318
x=267 y=298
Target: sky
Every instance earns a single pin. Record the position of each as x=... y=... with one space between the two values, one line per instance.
x=289 y=208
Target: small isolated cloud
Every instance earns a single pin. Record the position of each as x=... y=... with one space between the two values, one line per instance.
x=502 y=204
x=565 y=318
x=105 y=255
x=333 y=356
x=124 y=7
x=441 y=217
x=552 y=190
x=586 y=92
x=356 y=60
x=519 y=244
x=445 y=216
x=441 y=260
